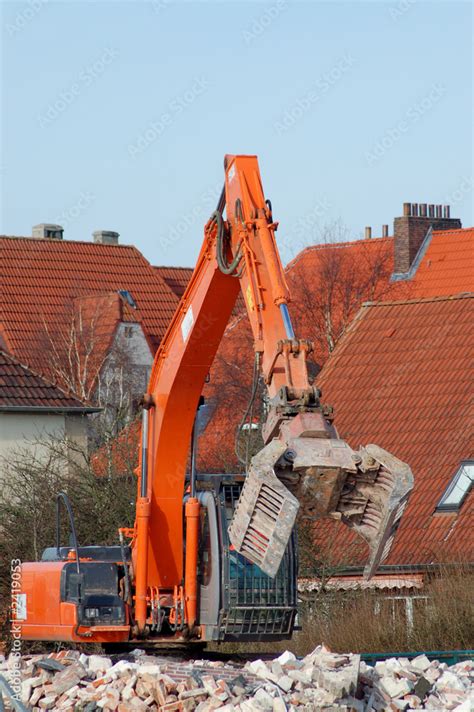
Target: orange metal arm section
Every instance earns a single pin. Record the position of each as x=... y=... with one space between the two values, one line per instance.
x=183 y=362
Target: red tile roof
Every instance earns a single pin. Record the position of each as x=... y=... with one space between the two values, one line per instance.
x=447 y=266
x=22 y=389
x=402 y=377
x=329 y=282
x=359 y=248
x=41 y=279
x=176 y=278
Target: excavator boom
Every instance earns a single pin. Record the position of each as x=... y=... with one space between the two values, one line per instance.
x=202 y=556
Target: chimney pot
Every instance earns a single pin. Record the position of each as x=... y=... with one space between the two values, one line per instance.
x=48 y=231
x=384 y=230
x=106 y=237
x=368 y=233
x=407 y=209
x=410 y=230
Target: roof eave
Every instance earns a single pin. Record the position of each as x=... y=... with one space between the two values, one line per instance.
x=48 y=409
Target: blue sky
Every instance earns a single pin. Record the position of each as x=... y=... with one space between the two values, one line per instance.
x=117 y=115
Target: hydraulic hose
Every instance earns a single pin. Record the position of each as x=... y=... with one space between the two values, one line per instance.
x=221 y=245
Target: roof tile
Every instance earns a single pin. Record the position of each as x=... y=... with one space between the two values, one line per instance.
x=424 y=417
x=41 y=278
x=22 y=388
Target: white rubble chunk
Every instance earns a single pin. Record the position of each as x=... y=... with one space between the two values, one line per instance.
x=285 y=682
x=149 y=668
x=421 y=662
x=395 y=688
x=98 y=663
x=449 y=681
x=279 y=705
x=122 y=667
x=286 y=657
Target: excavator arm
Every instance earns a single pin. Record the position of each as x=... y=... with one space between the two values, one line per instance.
x=238 y=253
x=303 y=464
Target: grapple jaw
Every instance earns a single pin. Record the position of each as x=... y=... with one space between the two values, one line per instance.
x=265 y=513
x=308 y=468
x=373 y=502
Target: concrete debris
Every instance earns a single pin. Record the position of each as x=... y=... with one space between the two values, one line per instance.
x=326 y=681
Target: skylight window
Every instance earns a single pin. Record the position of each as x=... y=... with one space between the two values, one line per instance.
x=125 y=294
x=458 y=488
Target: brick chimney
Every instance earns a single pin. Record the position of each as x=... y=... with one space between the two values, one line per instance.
x=410 y=230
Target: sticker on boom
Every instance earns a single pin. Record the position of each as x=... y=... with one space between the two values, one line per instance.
x=187 y=324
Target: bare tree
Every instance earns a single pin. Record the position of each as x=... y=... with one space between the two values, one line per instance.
x=89 y=357
x=76 y=353
x=330 y=282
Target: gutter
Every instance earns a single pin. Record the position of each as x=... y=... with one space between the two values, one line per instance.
x=398 y=569
x=47 y=409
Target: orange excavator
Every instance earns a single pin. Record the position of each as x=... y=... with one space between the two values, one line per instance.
x=214 y=557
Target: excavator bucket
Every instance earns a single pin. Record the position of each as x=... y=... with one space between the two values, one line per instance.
x=265 y=513
x=308 y=468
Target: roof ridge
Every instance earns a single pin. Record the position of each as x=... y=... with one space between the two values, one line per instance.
x=56 y=241
x=348 y=243
x=171 y=267
x=456 y=229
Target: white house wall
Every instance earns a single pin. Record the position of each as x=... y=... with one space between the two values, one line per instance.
x=21 y=430
x=135 y=344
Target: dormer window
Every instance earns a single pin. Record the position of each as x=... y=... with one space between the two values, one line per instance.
x=458 y=488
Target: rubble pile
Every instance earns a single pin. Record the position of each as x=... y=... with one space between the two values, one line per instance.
x=321 y=681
